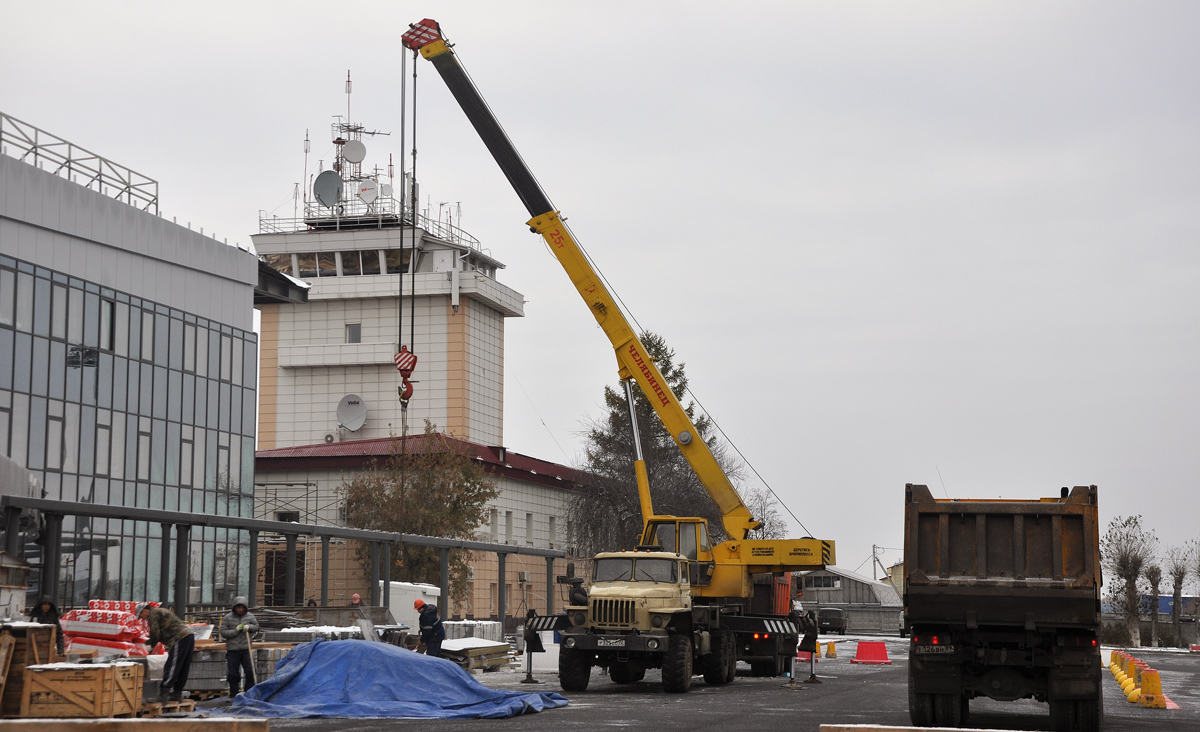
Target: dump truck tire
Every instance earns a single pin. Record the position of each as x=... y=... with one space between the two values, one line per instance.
x=1089 y=714
x=677 y=665
x=947 y=710
x=574 y=669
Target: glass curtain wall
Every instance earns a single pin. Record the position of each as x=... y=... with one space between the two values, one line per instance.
x=109 y=398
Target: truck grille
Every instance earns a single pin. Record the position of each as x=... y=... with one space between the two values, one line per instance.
x=612 y=612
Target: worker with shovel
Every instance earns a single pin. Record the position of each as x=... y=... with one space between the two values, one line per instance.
x=236 y=628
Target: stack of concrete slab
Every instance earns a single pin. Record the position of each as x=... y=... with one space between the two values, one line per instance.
x=486 y=629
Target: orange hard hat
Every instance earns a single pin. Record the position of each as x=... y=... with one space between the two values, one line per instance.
x=418 y=604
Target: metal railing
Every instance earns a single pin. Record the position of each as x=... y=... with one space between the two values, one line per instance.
x=37 y=147
x=354 y=214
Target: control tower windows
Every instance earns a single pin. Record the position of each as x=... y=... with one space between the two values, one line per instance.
x=396 y=260
x=326 y=264
x=351 y=264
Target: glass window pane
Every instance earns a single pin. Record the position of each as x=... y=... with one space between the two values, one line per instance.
x=354 y=332
x=351 y=264
x=185 y=462
x=120 y=378
x=107 y=322
x=40 y=378
x=370 y=262
x=117 y=435
x=41 y=307
x=396 y=260
x=71 y=427
x=8 y=290
x=54 y=443
x=75 y=316
x=188 y=399
x=248 y=411
x=158 y=452
x=175 y=357
x=22 y=356
x=160 y=393
x=147 y=336
x=226 y=357
x=104 y=380
x=326 y=264
x=174 y=395
x=91 y=320
x=6 y=358
x=198 y=460
x=235 y=370
x=172 y=477
x=308 y=265
x=5 y=418
x=201 y=417
x=58 y=319
x=279 y=262
x=103 y=449
x=250 y=363
x=162 y=339
x=189 y=348
x=19 y=428
x=214 y=353
x=37 y=434
x=146 y=397
x=202 y=352
x=225 y=413
x=85 y=441
x=24 y=302
x=121 y=329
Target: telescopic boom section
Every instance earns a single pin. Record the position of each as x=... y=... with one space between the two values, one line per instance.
x=631 y=354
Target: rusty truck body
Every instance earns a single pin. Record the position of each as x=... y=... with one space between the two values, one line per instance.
x=1002 y=600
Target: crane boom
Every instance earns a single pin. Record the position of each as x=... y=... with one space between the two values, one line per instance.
x=631 y=355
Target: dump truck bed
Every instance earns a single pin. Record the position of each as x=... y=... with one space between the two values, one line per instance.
x=1000 y=562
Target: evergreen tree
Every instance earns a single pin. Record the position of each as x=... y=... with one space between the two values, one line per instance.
x=607 y=515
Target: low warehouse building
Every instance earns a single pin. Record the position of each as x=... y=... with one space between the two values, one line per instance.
x=871 y=606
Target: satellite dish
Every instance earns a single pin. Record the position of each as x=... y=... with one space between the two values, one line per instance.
x=354 y=151
x=328 y=188
x=385 y=190
x=352 y=412
x=368 y=190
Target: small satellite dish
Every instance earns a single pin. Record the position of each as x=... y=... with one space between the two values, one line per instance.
x=328 y=188
x=368 y=190
x=352 y=412
x=354 y=151
x=385 y=190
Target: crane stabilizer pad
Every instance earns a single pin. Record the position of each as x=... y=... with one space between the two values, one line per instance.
x=421 y=34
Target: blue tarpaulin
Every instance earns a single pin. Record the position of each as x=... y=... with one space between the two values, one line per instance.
x=353 y=678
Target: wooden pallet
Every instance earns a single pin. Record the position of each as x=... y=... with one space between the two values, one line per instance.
x=158 y=709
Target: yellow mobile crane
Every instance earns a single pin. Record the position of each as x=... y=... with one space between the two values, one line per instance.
x=719 y=576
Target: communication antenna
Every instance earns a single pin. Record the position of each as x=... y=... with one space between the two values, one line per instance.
x=328 y=188
x=347 y=96
x=307 y=147
x=351 y=412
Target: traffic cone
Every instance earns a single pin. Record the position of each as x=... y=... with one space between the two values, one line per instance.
x=874 y=652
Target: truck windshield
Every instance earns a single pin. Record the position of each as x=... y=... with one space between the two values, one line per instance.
x=613 y=570
x=656 y=570
x=620 y=569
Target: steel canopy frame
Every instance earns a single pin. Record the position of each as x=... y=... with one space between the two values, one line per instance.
x=55 y=510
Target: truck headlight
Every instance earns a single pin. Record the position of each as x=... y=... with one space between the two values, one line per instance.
x=658 y=621
x=568 y=642
x=578 y=618
x=652 y=644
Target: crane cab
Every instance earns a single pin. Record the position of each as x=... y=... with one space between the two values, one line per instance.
x=686 y=536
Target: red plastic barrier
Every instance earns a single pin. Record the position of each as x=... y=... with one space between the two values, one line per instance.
x=871 y=652
x=806 y=656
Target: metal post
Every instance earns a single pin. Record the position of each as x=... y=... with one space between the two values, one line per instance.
x=289 y=570
x=51 y=554
x=252 y=590
x=501 y=589
x=387 y=574
x=12 y=530
x=324 y=571
x=164 y=566
x=374 y=574
x=444 y=581
x=182 y=555
x=549 y=585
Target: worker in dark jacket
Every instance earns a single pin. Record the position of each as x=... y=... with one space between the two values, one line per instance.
x=432 y=630
x=236 y=628
x=168 y=629
x=46 y=613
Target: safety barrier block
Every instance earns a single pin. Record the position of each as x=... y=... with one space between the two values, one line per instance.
x=871 y=652
x=830 y=650
x=1152 y=695
x=807 y=656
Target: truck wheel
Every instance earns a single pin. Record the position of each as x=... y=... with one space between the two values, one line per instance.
x=1062 y=715
x=965 y=704
x=947 y=710
x=626 y=673
x=574 y=669
x=1089 y=714
x=677 y=665
x=716 y=664
x=920 y=707
x=731 y=670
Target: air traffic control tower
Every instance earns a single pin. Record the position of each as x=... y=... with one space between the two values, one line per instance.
x=383 y=276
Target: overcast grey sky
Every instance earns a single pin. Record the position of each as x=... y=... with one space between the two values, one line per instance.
x=888 y=239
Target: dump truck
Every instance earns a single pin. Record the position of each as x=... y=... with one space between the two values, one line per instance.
x=1002 y=600
x=711 y=624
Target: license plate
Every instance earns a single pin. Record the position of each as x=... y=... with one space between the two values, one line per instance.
x=935 y=649
x=610 y=642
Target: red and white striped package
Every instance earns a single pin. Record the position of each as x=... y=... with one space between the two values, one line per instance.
x=122 y=605
x=75 y=644
x=108 y=624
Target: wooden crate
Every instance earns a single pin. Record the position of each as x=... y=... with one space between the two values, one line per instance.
x=32 y=645
x=82 y=690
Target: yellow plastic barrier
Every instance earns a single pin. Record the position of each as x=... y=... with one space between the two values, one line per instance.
x=1151 y=691
x=830 y=650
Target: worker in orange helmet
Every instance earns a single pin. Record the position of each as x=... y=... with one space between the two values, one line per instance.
x=432 y=630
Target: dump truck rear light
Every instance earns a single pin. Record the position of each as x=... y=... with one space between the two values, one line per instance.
x=935 y=640
x=756 y=636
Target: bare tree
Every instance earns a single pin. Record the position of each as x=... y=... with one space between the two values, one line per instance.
x=1125 y=550
x=1154 y=576
x=1178 y=560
